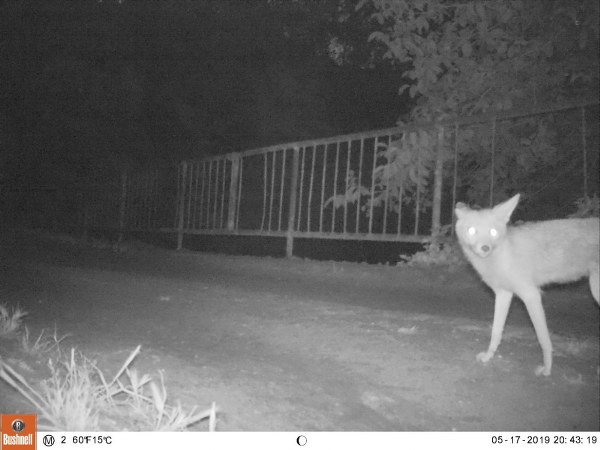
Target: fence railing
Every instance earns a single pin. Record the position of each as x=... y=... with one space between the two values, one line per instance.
x=324 y=188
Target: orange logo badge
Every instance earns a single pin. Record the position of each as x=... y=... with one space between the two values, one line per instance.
x=18 y=431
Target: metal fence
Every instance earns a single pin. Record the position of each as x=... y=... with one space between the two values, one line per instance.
x=325 y=188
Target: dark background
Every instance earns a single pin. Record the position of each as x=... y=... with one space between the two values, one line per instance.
x=90 y=87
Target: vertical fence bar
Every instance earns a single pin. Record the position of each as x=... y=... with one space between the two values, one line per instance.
x=196 y=205
x=122 y=207
x=310 y=188
x=223 y=193
x=189 y=200
x=418 y=200
x=289 y=241
x=375 y=143
x=335 y=178
x=301 y=188
x=216 y=200
x=177 y=195
x=233 y=192
x=584 y=150
x=323 y=188
x=190 y=190
x=208 y=193
x=214 y=193
x=264 y=206
x=181 y=205
x=282 y=186
x=346 y=188
x=359 y=184
x=386 y=199
x=273 y=159
x=438 y=174
x=202 y=189
x=239 y=193
x=400 y=195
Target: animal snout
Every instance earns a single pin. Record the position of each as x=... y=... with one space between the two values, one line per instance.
x=484 y=250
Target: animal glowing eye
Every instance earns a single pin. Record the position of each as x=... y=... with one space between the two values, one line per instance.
x=472 y=231
x=493 y=232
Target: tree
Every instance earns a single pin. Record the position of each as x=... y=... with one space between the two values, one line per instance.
x=465 y=58
x=469 y=57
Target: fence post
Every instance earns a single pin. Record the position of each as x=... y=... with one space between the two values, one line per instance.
x=291 y=228
x=233 y=191
x=437 y=183
x=181 y=205
x=122 y=206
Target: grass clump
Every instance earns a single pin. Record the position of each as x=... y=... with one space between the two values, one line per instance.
x=43 y=344
x=10 y=320
x=78 y=397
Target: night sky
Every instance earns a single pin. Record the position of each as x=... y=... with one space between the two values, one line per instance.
x=92 y=87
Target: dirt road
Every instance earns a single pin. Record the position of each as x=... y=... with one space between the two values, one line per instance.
x=284 y=345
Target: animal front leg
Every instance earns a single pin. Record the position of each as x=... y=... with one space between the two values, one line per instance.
x=533 y=302
x=501 y=306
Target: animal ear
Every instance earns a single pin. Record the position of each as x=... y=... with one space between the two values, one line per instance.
x=503 y=211
x=460 y=209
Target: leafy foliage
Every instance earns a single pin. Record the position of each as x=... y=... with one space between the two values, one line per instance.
x=440 y=250
x=469 y=57
x=472 y=57
x=587 y=207
x=406 y=163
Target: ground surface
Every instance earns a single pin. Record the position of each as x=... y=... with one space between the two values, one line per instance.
x=284 y=345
